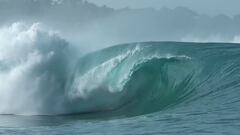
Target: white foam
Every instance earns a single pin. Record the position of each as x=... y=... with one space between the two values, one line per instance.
x=26 y=81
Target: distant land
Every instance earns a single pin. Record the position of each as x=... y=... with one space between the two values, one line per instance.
x=111 y=26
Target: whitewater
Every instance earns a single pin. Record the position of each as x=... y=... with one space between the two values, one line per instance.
x=144 y=88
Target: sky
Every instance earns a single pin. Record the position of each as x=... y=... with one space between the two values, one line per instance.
x=211 y=7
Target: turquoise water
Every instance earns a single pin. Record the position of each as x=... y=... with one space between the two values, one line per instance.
x=145 y=88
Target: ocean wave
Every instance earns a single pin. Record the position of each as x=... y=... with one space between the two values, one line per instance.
x=40 y=75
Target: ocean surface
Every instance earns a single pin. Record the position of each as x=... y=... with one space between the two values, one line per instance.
x=168 y=88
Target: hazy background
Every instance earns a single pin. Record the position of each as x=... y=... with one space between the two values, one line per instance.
x=211 y=7
x=94 y=24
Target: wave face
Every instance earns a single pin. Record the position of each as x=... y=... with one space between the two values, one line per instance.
x=141 y=78
x=37 y=76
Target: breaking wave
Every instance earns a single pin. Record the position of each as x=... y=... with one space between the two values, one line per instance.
x=40 y=75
